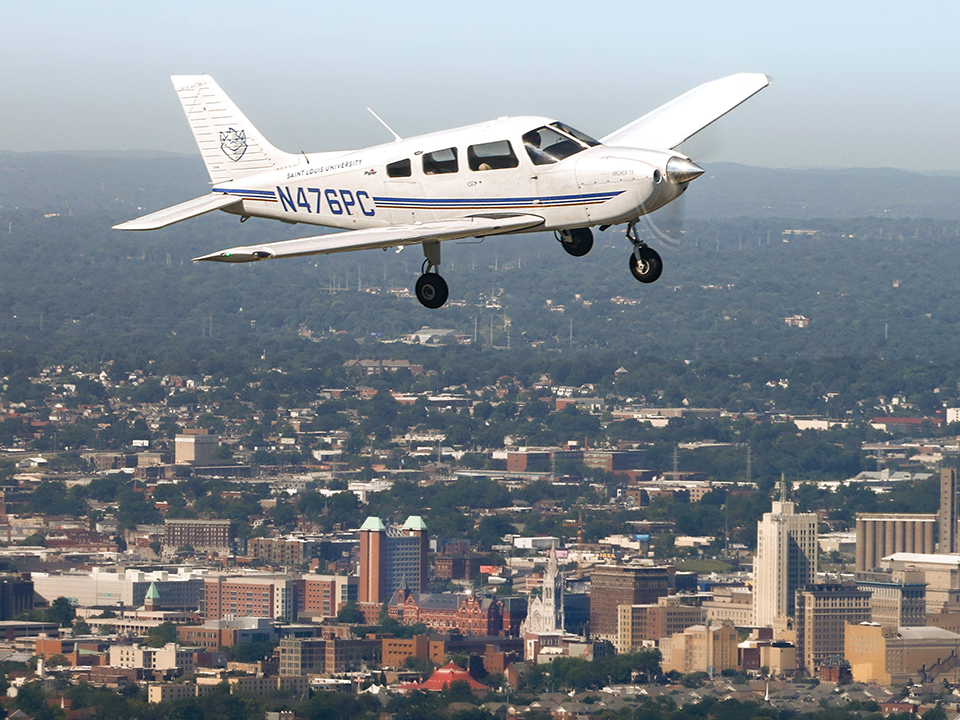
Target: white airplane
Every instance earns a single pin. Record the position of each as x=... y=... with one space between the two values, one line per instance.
x=511 y=175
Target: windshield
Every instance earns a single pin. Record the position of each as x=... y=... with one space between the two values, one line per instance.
x=548 y=144
x=582 y=137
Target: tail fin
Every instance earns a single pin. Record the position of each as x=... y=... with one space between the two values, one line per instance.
x=231 y=146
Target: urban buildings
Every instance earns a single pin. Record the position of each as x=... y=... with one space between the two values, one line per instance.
x=113 y=587
x=282 y=551
x=882 y=534
x=217 y=536
x=447 y=612
x=390 y=557
x=195 y=447
x=786 y=560
x=614 y=585
x=897 y=597
x=732 y=604
x=272 y=596
x=322 y=596
x=701 y=649
x=941 y=574
x=822 y=612
x=948 y=512
x=894 y=656
x=641 y=625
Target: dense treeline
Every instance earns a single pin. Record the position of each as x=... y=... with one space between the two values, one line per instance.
x=75 y=291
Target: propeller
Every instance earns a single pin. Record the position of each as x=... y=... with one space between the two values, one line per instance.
x=666 y=225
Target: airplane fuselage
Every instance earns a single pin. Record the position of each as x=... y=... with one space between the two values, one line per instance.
x=478 y=169
x=511 y=175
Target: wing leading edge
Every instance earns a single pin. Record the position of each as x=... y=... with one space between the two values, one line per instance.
x=685 y=116
x=183 y=211
x=456 y=229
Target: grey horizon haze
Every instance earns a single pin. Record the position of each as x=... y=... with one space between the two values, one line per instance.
x=854 y=84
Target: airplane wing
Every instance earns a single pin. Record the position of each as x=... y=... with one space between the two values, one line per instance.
x=455 y=229
x=183 y=211
x=685 y=116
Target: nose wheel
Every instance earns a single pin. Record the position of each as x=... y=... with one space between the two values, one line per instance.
x=645 y=262
x=431 y=289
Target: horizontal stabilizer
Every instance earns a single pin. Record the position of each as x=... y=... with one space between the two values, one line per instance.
x=685 y=116
x=183 y=211
x=455 y=229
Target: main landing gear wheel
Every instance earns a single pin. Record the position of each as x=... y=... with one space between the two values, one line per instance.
x=645 y=264
x=577 y=242
x=432 y=291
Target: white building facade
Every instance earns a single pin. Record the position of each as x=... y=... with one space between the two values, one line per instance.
x=786 y=560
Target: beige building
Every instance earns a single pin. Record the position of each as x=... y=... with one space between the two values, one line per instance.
x=643 y=625
x=941 y=573
x=895 y=656
x=780 y=658
x=786 y=560
x=822 y=612
x=170 y=657
x=701 y=649
x=195 y=447
x=882 y=534
x=897 y=597
x=732 y=604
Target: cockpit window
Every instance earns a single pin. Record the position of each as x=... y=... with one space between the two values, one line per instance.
x=582 y=137
x=440 y=162
x=547 y=145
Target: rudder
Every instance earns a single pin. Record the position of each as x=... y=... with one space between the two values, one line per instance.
x=232 y=148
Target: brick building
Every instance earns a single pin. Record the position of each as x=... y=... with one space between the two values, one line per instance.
x=390 y=557
x=282 y=551
x=271 y=596
x=614 y=585
x=466 y=614
x=218 y=536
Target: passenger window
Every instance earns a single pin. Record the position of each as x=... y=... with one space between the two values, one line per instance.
x=400 y=168
x=440 y=162
x=492 y=156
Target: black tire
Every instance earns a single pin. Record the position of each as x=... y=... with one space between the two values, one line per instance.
x=577 y=242
x=432 y=291
x=650 y=267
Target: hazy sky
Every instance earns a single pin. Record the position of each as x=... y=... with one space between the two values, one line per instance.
x=855 y=83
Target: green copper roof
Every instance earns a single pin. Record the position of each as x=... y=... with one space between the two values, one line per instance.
x=152 y=592
x=414 y=522
x=374 y=524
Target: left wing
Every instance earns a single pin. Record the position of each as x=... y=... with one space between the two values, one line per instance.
x=183 y=211
x=685 y=116
x=455 y=229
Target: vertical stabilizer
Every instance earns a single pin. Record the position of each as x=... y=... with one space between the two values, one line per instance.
x=231 y=146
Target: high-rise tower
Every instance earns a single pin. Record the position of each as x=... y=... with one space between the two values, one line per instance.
x=948 y=511
x=391 y=556
x=786 y=560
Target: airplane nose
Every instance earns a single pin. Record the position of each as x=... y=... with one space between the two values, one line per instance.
x=683 y=170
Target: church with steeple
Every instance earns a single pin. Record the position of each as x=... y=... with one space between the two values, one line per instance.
x=545 y=613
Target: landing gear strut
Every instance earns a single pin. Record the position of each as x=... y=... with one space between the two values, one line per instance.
x=432 y=291
x=578 y=242
x=645 y=262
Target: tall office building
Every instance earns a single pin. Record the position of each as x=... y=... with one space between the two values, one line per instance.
x=390 y=557
x=948 y=511
x=614 y=585
x=822 y=612
x=786 y=560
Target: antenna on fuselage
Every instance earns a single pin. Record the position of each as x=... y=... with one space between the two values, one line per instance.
x=397 y=138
